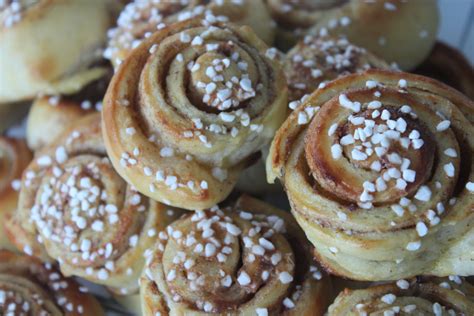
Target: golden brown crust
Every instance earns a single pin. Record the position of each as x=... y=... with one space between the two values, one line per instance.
x=61 y=64
x=439 y=296
x=49 y=116
x=14 y=157
x=376 y=166
x=28 y=285
x=46 y=121
x=195 y=135
x=198 y=266
x=74 y=208
x=450 y=66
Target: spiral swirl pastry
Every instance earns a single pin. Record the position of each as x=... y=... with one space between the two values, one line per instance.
x=423 y=296
x=74 y=32
x=75 y=209
x=250 y=259
x=14 y=157
x=316 y=60
x=140 y=19
x=186 y=112
x=449 y=65
x=30 y=287
x=378 y=171
x=49 y=116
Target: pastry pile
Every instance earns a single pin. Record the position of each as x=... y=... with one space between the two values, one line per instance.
x=164 y=139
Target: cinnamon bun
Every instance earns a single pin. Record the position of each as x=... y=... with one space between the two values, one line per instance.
x=47 y=46
x=250 y=259
x=76 y=210
x=378 y=170
x=30 y=287
x=423 y=296
x=186 y=112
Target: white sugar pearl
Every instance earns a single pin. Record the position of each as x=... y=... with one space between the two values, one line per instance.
x=443 y=125
x=336 y=151
x=421 y=229
x=244 y=278
x=413 y=246
x=285 y=277
x=388 y=298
